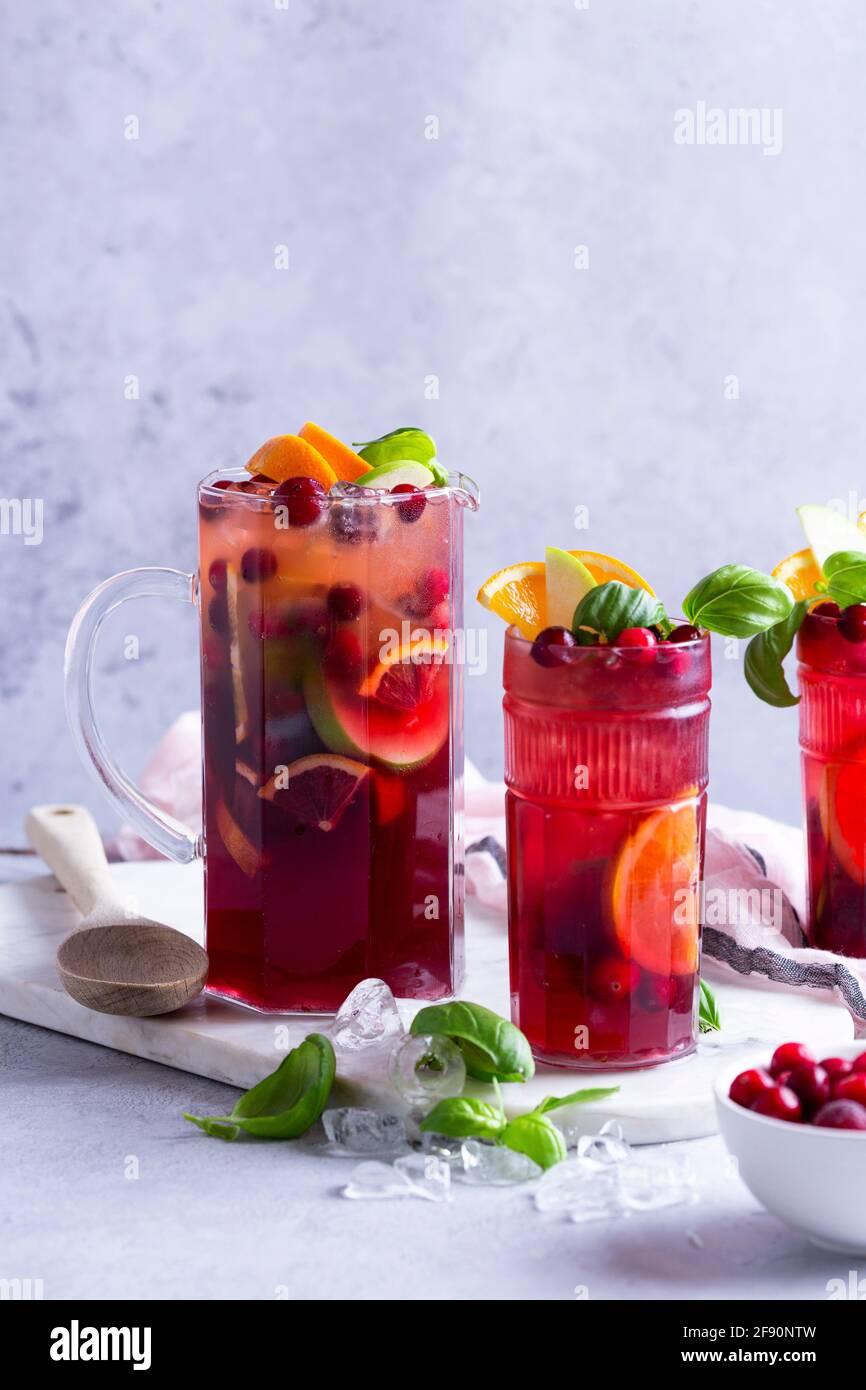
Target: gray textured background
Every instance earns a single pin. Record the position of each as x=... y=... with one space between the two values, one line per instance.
x=305 y=126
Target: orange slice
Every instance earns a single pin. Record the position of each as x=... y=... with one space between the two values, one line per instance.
x=289 y=456
x=345 y=462
x=236 y=841
x=518 y=594
x=842 y=807
x=801 y=574
x=406 y=677
x=317 y=789
x=655 y=900
x=604 y=568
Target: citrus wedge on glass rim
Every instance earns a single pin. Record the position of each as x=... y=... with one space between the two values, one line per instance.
x=655 y=893
x=518 y=594
x=604 y=568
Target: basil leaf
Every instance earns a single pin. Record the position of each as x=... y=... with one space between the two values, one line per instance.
x=764 y=656
x=535 y=1136
x=493 y=1048
x=737 y=601
x=405 y=443
x=576 y=1098
x=285 y=1104
x=708 y=1016
x=464 y=1117
x=845 y=572
x=609 y=608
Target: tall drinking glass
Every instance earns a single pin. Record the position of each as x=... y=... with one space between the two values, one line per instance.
x=832 y=681
x=606 y=769
x=332 y=738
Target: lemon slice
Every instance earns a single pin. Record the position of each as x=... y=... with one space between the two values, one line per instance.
x=518 y=594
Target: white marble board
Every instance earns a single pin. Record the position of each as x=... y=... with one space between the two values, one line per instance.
x=236 y=1045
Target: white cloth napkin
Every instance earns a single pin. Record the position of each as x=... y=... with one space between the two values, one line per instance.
x=755 y=874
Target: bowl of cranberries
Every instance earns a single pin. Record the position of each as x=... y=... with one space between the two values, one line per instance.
x=796 y=1125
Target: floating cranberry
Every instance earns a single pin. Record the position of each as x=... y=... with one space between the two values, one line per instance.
x=841 y=1114
x=779 y=1104
x=218 y=574
x=303 y=499
x=852 y=623
x=345 y=603
x=851 y=1087
x=859 y=1063
x=223 y=484
x=258 y=564
x=343 y=656
x=790 y=1055
x=636 y=637
x=611 y=978
x=836 y=1067
x=431 y=589
x=551 y=645
x=812 y=1085
x=410 y=511
x=827 y=609
x=218 y=613
x=685 y=633
x=750 y=1084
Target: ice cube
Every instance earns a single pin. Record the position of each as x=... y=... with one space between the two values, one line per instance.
x=494 y=1165
x=659 y=1180
x=375 y=1180
x=444 y=1147
x=369 y=1015
x=604 y=1148
x=426 y=1068
x=586 y=1191
x=356 y=1131
x=428 y=1175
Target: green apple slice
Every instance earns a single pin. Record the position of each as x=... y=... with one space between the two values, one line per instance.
x=567 y=580
x=396 y=472
x=828 y=531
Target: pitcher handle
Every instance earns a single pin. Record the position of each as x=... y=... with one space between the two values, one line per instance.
x=160 y=830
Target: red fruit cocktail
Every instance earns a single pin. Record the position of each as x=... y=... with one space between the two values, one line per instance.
x=831 y=649
x=332 y=678
x=606 y=769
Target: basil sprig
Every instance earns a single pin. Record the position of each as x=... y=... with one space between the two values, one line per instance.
x=764 y=656
x=285 y=1104
x=845 y=573
x=493 y=1049
x=405 y=445
x=709 y=1018
x=609 y=608
x=737 y=601
x=532 y=1133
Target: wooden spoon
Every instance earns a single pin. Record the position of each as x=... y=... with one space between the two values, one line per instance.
x=115 y=962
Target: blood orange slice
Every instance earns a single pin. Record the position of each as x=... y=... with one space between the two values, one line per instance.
x=655 y=899
x=237 y=842
x=317 y=789
x=407 y=677
x=842 y=807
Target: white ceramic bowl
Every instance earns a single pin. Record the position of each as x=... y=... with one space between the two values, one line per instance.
x=812 y=1179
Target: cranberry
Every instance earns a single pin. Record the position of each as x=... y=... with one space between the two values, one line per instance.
x=303 y=499
x=859 y=1063
x=343 y=656
x=827 y=609
x=780 y=1103
x=611 y=978
x=788 y=1056
x=636 y=637
x=783 y=1077
x=410 y=511
x=431 y=589
x=685 y=633
x=218 y=613
x=852 y=623
x=851 y=1087
x=222 y=484
x=812 y=1085
x=345 y=603
x=218 y=574
x=750 y=1084
x=841 y=1114
x=836 y=1067
x=258 y=565
x=550 y=645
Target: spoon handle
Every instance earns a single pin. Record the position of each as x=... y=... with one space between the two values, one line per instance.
x=67 y=839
